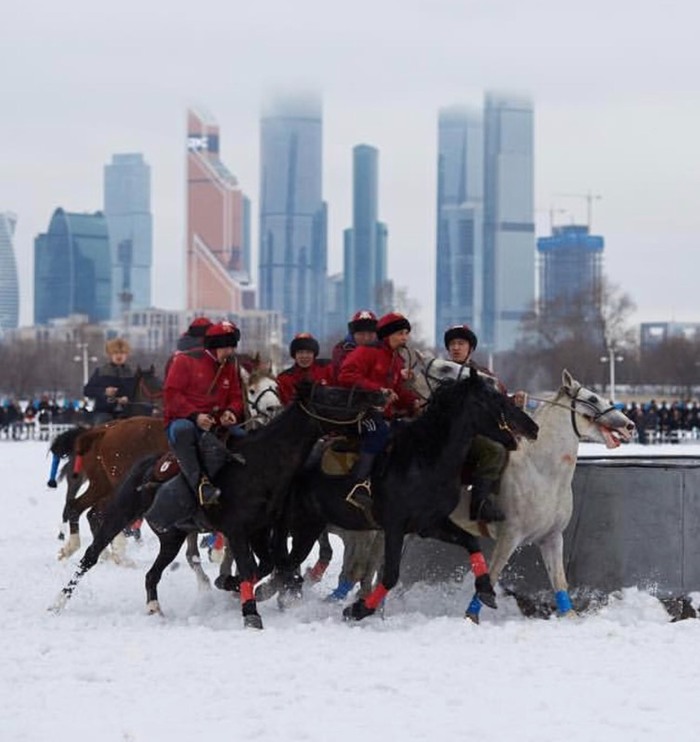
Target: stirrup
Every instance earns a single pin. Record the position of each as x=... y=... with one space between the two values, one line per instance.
x=360 y=496
x=207 y=498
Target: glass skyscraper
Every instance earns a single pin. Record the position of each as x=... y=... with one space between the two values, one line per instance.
x=293 y=220
x=459 y=259
x=364 y=244
x=9 y=285
x=127 y=207
x=72 y=268
x=509 y=229
x=570 y=264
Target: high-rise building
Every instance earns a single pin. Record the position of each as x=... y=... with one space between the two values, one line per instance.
x=127 y=207
x=9 y=285
x=216 y=224
x=293 y=252
x=365 y=243
x=570 y=269
x=459 y=259
x=509 y=229
x=72 y=268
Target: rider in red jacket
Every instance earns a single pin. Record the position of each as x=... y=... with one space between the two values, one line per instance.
x=202 y=389
x=378 y=367
x=362 y=330
x=304 y=349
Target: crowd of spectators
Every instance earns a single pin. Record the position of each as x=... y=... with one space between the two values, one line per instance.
x=39 y=418
x=664 y=422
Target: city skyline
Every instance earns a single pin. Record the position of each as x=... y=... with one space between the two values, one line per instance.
x=609 y=119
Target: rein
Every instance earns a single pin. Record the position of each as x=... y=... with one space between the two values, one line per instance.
x=321 y=418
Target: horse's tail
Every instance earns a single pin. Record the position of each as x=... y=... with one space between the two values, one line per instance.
x=64 y=443
x=88 y=439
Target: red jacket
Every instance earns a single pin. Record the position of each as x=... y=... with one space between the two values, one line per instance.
x=193 y=386
x=376 y=367
x=319 y=372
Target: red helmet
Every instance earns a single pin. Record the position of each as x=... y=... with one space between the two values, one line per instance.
x=363 y=321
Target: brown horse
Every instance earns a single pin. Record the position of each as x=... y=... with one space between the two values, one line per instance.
x=107 y=452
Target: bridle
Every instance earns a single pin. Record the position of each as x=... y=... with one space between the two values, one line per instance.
x=146 y=391
x=575 y=400
x=255 y=403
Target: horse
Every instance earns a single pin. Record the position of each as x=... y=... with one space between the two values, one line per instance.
x=415 y=485
x=535 y=492
x=252 y=495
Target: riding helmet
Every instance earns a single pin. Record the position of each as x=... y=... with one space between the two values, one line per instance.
x=460 y=331
x=304 y=341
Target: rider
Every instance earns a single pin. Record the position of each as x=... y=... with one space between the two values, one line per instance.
x=112 y=384
x=304 y=349
x=378 y=367
x=362 y=330
x=192 y=338
x=202 y=390
x=486 y=458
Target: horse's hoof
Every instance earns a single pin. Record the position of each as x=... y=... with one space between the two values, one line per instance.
x=253 y=621
x=52 y=483
x=153 y=608
x=473 y=617
x=230 y=583
x=485 y=591
x=357 y=611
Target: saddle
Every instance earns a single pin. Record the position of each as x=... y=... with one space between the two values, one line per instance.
x=338 y=457
x=166 y=467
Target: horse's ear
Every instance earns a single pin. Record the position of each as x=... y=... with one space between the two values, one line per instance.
x=256 y=362
x=139 y=372
x=152 y=369
x=567 y=380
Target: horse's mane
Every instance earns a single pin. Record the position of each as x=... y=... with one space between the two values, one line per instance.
x=425 y=437
x=62 y=445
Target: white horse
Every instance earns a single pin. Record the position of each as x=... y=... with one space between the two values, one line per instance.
x=535 y=492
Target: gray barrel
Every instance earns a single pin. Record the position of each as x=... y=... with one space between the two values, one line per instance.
x=636 y=522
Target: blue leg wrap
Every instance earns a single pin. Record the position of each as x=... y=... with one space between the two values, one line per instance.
x=54 y=466
x=563 y=601
x=474 y=607
x=341 y=592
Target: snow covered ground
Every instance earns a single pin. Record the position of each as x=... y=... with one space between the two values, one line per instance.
x=104 y=670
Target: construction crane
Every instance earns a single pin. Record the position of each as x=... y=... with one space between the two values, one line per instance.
x=589 y=197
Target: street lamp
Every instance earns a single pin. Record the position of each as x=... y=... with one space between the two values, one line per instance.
x=84 y=357
x=612 y=358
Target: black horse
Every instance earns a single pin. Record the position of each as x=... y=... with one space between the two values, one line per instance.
x=415 y=486
x=253 y=495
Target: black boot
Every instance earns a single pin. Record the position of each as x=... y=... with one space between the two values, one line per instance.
x=360 y=494
x=185 y=447
x=481 y=506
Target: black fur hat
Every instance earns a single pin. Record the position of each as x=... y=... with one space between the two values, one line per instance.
x=304 y=341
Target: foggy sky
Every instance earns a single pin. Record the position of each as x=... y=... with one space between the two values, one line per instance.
x=614 y=84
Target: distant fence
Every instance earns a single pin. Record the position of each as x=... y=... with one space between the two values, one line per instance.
x=33 y=431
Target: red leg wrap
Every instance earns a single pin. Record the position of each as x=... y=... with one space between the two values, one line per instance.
x=218 y=540
x=78 y=465
x=247 y=592
x=374 y=599
x=478 y=564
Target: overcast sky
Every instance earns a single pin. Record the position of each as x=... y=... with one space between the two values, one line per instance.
x=616 y=89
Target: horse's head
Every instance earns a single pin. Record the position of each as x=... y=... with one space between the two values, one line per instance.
x=593 y=416
x=263 y=396
x=148 y=386
x=337 y=406
x=498 y=418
